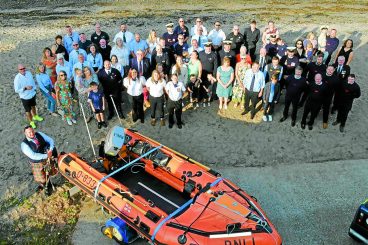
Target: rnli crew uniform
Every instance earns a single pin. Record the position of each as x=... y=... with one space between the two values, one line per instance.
x=348 y=92
x=332 y=82
x=209 y=66
x=294 y=88
x=175 y=102
x=317 y=93
x=36 y=151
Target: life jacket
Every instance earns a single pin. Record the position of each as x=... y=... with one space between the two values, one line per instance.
x=41 y=148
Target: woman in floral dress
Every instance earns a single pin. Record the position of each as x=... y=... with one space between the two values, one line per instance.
x=64 y=98
x=238 y=92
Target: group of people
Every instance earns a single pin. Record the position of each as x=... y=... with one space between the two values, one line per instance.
x=196 y=64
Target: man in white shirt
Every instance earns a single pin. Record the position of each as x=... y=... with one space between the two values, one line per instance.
x=193 y=30
x=253 y=85
x=124 y=34
x=175 y=90
x=63 y=65
x=201 y=39
x=25 y=86
x=217 y=36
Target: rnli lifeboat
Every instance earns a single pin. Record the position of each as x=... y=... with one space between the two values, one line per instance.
x=167 y=197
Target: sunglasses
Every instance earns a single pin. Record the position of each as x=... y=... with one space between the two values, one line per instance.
x=75 y=44
x=22 y=69
x=62 y=75
x=217 y=25
x=198 y=21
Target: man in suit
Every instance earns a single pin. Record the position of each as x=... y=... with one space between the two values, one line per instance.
x=111 y=81
x=342 y=72
x=263 y=59
x=141 y=64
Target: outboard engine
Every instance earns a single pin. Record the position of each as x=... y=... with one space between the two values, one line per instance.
x=114 y=141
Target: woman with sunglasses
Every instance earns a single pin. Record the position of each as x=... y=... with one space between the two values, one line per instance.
x=64 y=98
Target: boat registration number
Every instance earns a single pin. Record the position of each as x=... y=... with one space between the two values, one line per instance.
x=87 y=180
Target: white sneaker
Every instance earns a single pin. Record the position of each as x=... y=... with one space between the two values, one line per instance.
x=270 y=118
x=182 y=104
x=225 y=106
x=209 y=104
x=197 y=105
x=220 y=106
x=264 y=118
x=69 y=122
x=74 y=121
x=204 y=104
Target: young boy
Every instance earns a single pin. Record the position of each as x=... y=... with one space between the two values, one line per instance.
x=271 y=95
x=193 y=88
x=97 y=101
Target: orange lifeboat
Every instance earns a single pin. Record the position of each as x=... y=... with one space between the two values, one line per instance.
x=166 y=197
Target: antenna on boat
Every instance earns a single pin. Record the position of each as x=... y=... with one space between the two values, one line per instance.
x=116 y=110
x=89 y=134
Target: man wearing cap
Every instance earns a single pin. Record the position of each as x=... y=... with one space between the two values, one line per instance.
x=253 y=85
x=209 y=62
x=263 y=59
x=70 y=38
x=227 y=52
x=198 y=23
x=201 y=39
x=25 y=86
x=271 y=47
x=236 y=39
x=332 y=42
x=349 y=90
x=38 y=147
x=83 y=42
x=63 y=65
x=170 y=36
x=73 y=55
x=289 y=62
x=317 y=92
x=124 y=34
x=251 y=38
x=182 y=29
x=98 y=35
x=217 y=36
x=180 y=46
x=295 y=85
x=138 y=44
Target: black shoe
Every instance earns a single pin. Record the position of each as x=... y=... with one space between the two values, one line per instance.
x=110 y=117
x=142 y=120
x=104 y=124
x=302 y=126
x=170 y=125
x=99 y=125
x=333 y=112
x=335 y=123
x=180 y=126
x=300 y=105
x=244 y=113
x=121 y=115
x=342 y=129
x=136 y=119
x=283 y=119
x=310 y=127
x=251 y=117
x=292 y=123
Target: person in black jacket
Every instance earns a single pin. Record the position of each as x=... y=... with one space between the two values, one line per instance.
x=251 y=38
x=317 y=93
x=349 y=91
x=332 y=82
x=111 y=81
x=227 y=52
x=271 y=96
x=236 y=39
x=162 y=58
x=141 y=65
x=295 y=85
x=209 y=62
